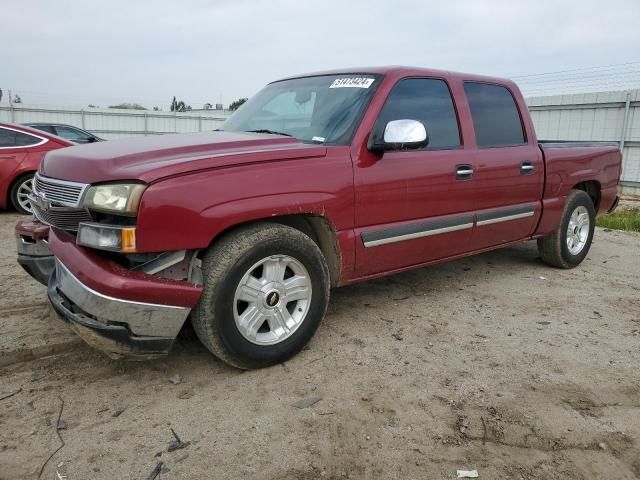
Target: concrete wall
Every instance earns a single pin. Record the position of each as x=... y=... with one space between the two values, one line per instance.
x=608 y=116
x=110 y=123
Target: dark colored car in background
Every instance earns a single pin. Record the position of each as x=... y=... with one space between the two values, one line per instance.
x=69 y=132
x=21 y=149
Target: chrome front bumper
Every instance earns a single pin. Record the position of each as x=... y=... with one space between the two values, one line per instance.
x=121 y=328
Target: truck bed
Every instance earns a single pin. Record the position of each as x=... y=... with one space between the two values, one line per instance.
x=571 y=164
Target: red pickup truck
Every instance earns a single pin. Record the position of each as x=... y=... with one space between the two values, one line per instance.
x=318 y=181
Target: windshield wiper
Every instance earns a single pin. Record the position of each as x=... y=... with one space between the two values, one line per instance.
x=271 y=132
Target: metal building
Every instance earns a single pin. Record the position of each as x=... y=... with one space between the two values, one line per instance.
x=608 y=116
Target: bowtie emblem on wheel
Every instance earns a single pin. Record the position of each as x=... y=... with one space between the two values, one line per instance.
x=272 y=299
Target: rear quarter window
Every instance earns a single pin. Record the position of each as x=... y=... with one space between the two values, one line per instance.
x=496 y=120
x=12 y=138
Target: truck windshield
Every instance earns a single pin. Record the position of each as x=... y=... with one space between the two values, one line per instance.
x=320 y=109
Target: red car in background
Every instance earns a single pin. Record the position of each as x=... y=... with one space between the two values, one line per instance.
x=21 y=149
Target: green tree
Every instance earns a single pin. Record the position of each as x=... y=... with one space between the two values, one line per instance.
x=237 y=103
x=128 y=106
x=179 y=105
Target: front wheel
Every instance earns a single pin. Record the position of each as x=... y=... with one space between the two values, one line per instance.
x=569 y=244
x=266 y=289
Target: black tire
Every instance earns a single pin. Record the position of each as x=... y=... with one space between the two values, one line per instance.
x=223 y=267
x=15 y=189
x=553 y=248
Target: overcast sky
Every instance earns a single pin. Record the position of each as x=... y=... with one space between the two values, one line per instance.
x=78 y=52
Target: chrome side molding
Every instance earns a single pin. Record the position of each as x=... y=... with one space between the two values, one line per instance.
x=417 y=230
x=427 y=228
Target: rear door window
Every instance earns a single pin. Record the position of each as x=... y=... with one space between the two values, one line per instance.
x=496 y=119
x=44 y=128
x=71 y=134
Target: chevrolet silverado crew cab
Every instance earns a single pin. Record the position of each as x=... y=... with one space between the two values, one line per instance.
x=318 y=181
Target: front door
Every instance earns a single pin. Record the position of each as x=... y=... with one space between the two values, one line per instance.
x=413 y=206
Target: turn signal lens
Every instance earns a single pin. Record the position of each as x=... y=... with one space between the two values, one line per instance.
x=107 y=237
x=128 y=240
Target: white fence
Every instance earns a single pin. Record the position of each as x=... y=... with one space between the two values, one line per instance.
x=111 y=123
x=608 y=116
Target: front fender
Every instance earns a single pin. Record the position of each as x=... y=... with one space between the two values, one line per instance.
x=190 y=211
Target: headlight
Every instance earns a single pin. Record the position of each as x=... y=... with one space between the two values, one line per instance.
x=107 y=237
x=115 y=198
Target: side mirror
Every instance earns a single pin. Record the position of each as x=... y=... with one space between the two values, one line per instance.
x=400 y=135
x=91 y=139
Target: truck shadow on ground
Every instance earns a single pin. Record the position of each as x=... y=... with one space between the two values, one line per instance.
x=436 y=280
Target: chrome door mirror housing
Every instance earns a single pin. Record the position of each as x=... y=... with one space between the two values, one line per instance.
x=401 y=135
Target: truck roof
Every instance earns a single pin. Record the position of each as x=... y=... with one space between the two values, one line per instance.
x=399 y=71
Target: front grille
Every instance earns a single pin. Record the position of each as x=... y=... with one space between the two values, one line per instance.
x=59 y=191
x=56 y=203
x=64 y=219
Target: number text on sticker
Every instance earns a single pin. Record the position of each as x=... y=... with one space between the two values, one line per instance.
x=352 y=82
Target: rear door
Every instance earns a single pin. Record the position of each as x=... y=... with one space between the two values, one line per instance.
x=509 y=176
x=14 y=150
x=414 y=206
x=14 y=146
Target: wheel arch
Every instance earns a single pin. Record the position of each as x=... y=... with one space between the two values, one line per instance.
x=593 y=189
x=317 y=227
x=14 y=182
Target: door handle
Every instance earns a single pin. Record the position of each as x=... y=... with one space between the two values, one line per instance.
x=464 y=172
x=526 y=168
x=8 y=158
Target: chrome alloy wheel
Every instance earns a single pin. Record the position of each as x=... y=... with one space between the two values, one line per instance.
x=272 y=300
x=578 y=230
x=24 y=190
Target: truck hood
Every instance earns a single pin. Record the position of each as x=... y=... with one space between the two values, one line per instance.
x=152 y=158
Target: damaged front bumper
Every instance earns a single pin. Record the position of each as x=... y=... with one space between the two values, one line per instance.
x=120 y=328
x=124 y=313
x=33 y=249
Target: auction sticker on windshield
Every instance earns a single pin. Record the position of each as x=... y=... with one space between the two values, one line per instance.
x=352 y=82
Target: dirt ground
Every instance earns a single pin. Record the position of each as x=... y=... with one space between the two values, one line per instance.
x=496 y=363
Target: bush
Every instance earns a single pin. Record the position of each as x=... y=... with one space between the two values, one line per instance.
x=622 y=219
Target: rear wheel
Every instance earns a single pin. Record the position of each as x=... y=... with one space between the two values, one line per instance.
x=20 y=191
x=569 y=244
x=266 y=289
